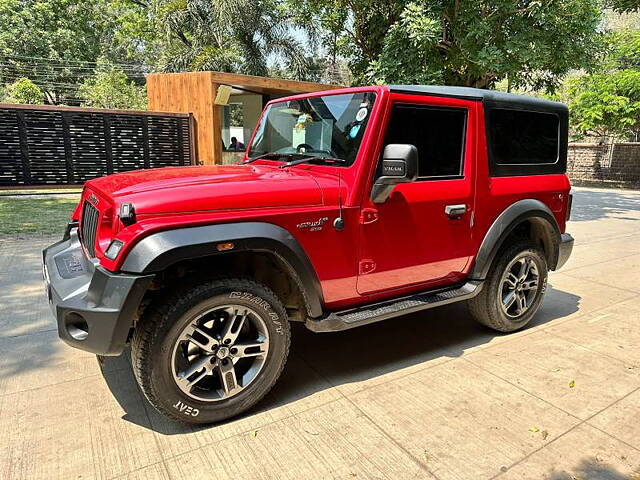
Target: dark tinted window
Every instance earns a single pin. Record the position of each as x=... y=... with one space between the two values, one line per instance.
x=520 y=137
x=437 y=133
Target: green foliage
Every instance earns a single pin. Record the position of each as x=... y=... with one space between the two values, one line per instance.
x=606 y=104
x=49 y=29
x=132 y=33
x=354 y=30
x=57 y=42
x=236 y=115
x=410 y=50
x=228 y=35
x=24 y=90
x=111 y=88
x=533 y=44
x=625 y=5
x=32 y=31
x=607 y=101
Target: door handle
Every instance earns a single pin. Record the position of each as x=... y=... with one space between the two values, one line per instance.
x=455 y=211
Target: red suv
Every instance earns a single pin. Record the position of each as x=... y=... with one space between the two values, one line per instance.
x=351 y=206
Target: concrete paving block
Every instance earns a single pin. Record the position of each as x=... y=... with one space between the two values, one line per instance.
x=461 y=421
x=298 y=389
x=40 y=360
x=604 y=250
x=152 y=472
x=623 y=273
x=23 y=305
x=332 y=441
x=546 y=365
x=612 y=331
x=582 y=454
x=622 y=419
x=74 y=429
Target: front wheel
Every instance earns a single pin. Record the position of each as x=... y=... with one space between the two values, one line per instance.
x=513 y=290
x=211 y=352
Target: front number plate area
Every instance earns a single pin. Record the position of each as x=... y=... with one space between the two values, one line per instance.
x=70 y=264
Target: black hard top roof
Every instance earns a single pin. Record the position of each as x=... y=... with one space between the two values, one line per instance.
x=493 y=97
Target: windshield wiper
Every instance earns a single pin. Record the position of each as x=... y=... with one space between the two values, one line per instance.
x=291 y=163
x=271 y=154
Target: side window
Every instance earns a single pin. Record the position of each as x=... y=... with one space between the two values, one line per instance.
x=524 y=138
x=437 y=132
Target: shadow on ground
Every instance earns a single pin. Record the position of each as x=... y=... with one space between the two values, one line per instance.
x=321 y=361
x=591 y=469
x=596 y=204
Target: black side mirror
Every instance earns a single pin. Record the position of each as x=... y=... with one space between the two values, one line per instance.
x=399 y=165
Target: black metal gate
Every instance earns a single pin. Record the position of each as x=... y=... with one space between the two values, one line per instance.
x=41 y=145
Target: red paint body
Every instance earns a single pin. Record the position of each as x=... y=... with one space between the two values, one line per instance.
x=410 y=245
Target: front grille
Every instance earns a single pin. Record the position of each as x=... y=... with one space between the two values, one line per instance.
x=90 y=217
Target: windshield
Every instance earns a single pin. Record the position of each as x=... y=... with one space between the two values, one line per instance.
x=328 y=126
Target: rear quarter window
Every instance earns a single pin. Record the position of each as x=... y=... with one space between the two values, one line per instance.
x=523 y=142
x=522 y=137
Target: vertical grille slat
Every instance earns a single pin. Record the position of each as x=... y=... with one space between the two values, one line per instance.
x=90 y=217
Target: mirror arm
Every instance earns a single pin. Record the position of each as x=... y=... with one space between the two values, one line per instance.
x=380 y=192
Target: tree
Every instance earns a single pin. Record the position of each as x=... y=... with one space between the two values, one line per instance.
x=532 y=44
x=352 y=29
x=228 y=35
x=133 y=33
x=24 y=90
x=111 y=88
x=34 y=31
x=57 y=42
x=625 y=5
x=606 y=102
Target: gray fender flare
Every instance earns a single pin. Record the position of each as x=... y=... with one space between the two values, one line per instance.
x=160 y=250
x=523 y=210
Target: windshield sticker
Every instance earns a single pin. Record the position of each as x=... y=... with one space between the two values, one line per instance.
x=362 y=114
x=353 y=132
x=303 y=120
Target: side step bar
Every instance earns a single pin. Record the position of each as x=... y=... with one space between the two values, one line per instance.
x=355 y=317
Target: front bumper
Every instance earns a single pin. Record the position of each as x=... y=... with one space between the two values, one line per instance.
x=94 y=308
x=564 y=250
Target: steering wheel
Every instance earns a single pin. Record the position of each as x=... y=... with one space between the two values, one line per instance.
x=303 y=148
x=306 y=148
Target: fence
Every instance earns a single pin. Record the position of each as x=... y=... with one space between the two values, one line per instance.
x=42 y=145
x=614 y=165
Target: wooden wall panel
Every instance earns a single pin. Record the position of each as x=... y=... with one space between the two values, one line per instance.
x=187 y=93
x=194 y=92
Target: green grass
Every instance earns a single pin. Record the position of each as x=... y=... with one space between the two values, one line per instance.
x=35 y=216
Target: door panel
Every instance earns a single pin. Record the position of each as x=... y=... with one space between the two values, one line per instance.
x=412 y=241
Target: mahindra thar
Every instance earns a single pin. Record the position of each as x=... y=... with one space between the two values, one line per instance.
x=351 y=206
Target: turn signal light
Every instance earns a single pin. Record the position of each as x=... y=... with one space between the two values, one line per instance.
x=221 y=247
x=113 y=250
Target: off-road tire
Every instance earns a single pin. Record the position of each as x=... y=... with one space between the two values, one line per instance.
x=159 y=329
x=486 y=307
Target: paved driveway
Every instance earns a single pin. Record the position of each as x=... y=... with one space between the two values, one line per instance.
x=431 y=395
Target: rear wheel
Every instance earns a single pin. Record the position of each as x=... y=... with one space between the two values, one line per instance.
x=513 y=290
x=212 y=351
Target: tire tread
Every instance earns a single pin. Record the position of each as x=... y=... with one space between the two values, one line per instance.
x=156 y=316
x=483 y=307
